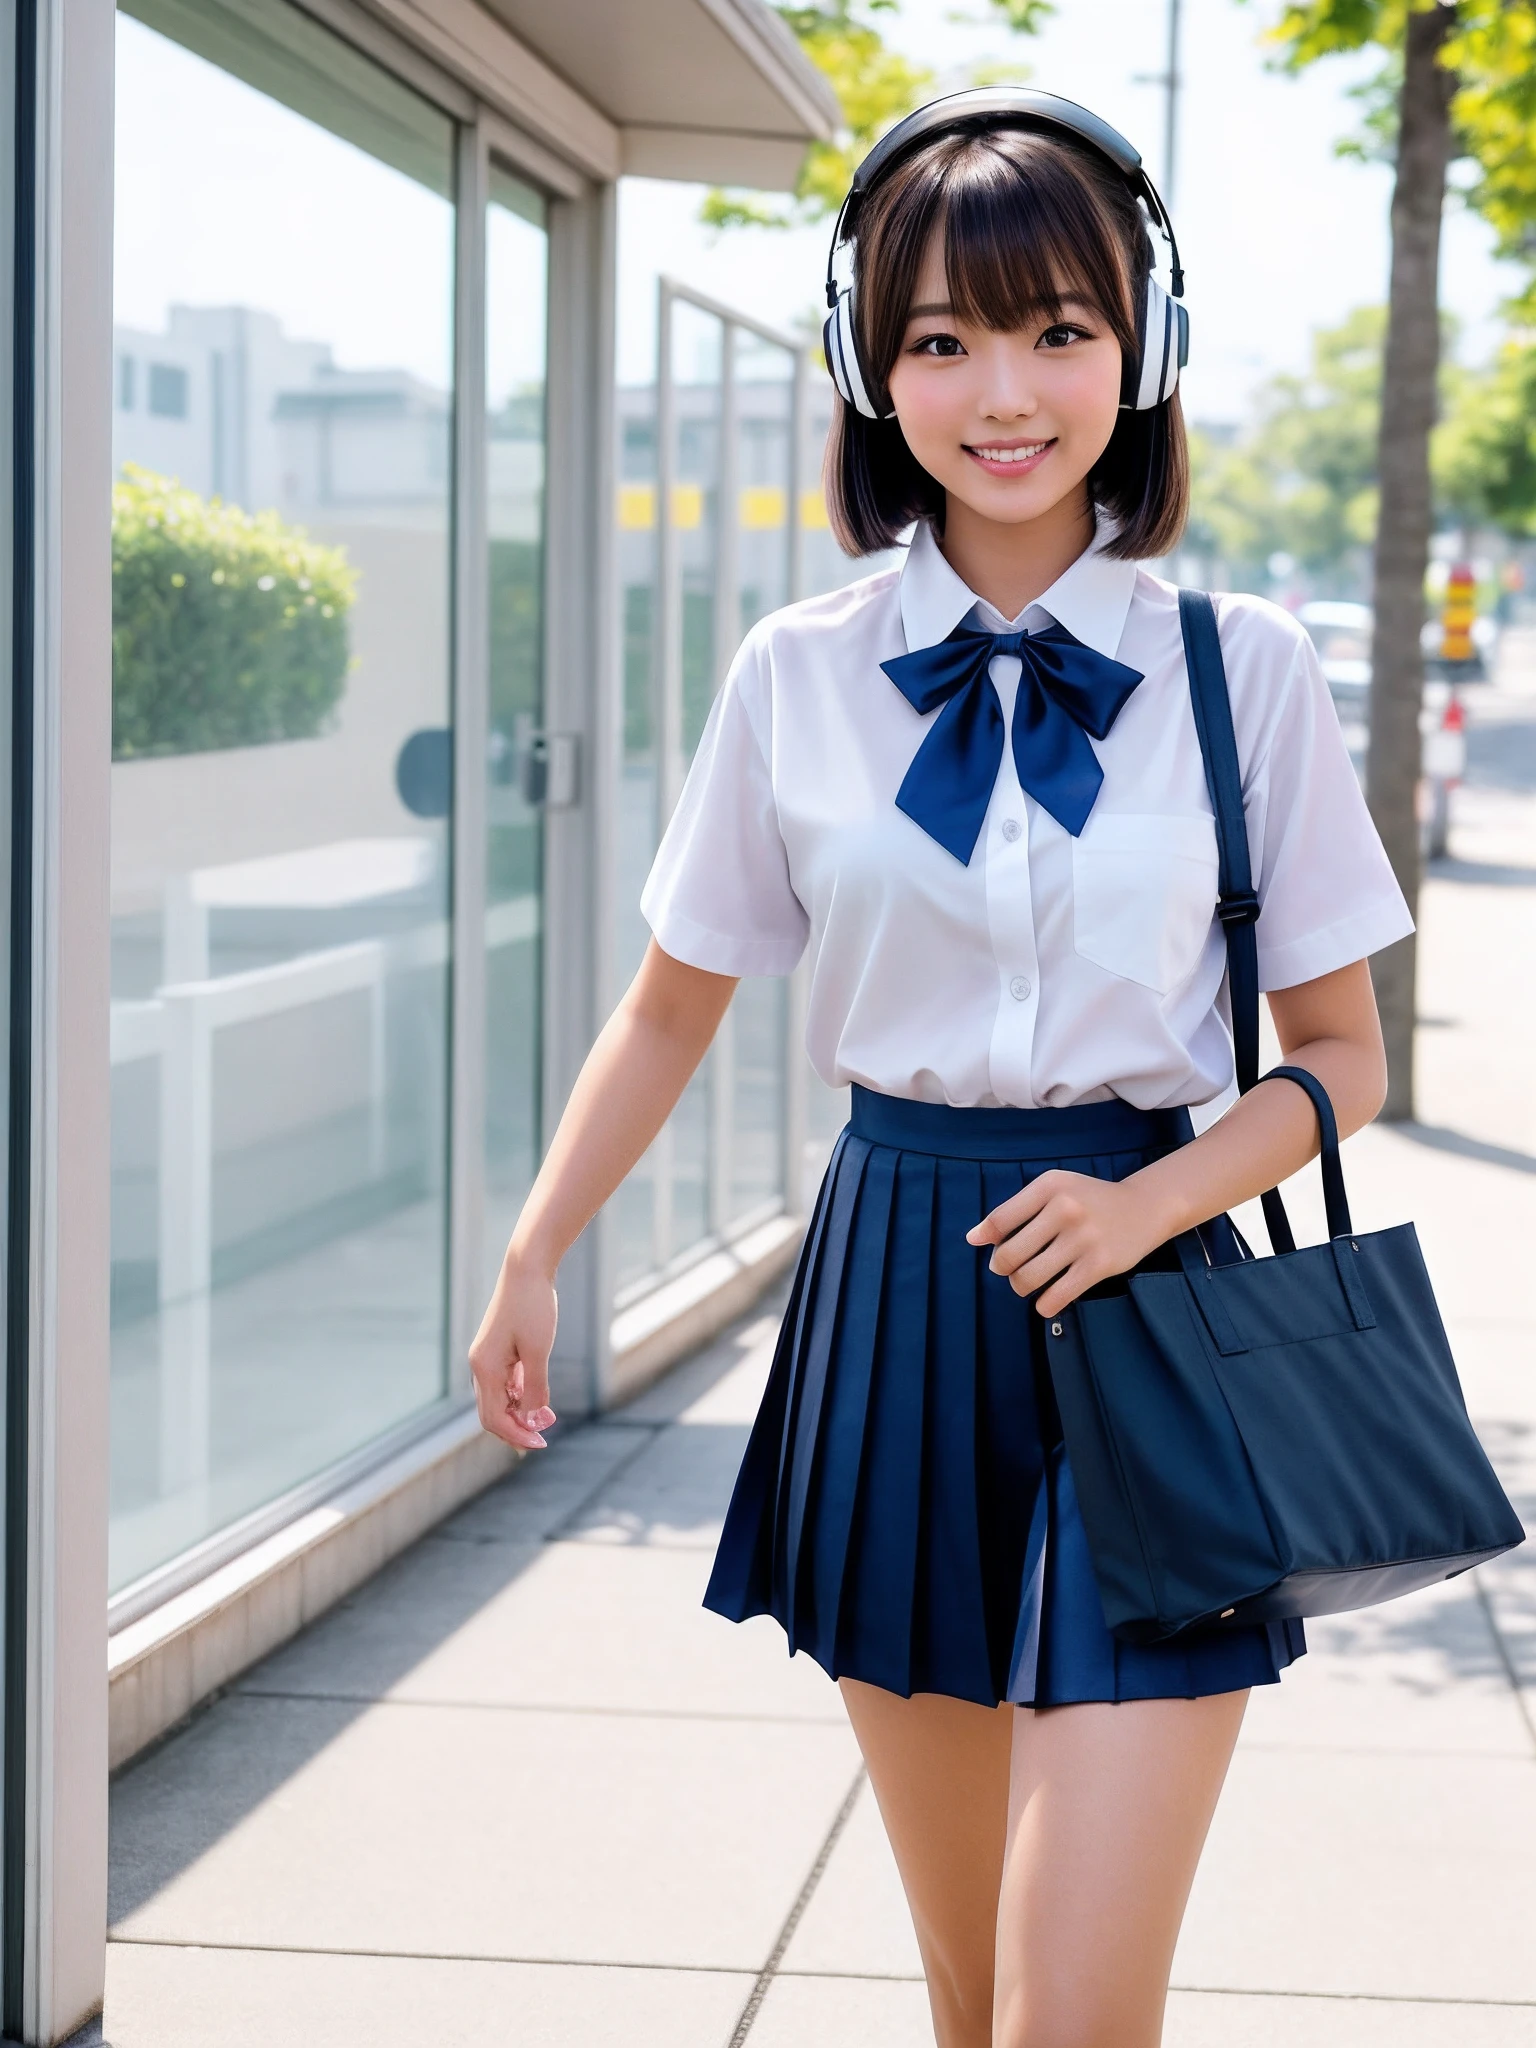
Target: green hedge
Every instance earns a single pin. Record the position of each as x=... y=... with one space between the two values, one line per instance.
x=229 y=629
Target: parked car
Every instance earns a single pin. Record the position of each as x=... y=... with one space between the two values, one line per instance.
x=1341 y=633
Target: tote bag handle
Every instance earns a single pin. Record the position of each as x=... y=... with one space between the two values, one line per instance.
x=1237 y=905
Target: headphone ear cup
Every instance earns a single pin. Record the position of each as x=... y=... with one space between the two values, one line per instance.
x=1164 y=348
x=840 y=344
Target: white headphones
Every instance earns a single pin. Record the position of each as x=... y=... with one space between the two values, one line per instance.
x=1151 y=379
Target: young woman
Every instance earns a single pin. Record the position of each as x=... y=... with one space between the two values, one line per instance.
x=1001 y=854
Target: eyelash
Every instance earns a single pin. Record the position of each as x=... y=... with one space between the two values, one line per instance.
x=927 y=346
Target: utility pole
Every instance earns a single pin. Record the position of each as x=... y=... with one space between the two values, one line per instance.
x=1170 y=80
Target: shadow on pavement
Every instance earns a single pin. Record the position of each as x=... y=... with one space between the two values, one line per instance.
x=631 y=1476
x=1442 y=1140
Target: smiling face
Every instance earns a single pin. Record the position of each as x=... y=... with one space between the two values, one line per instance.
x=1009 y=422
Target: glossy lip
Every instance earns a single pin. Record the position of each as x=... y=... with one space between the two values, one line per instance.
x=1025 y=468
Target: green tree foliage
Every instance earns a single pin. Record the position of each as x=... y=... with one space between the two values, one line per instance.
x=1492 y=52
x=1301 y=480
x=229 y=629
x=1485 y=448
x=875 y=87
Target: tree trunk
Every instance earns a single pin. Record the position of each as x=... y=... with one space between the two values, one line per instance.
x=1409 y=376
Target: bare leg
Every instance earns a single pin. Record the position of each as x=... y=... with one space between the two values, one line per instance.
x=939 y=1768
x=1107 y=1815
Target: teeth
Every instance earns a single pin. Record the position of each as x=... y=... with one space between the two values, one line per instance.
x=1012 y=454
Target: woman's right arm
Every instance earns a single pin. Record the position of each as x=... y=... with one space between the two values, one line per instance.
x=625 y=1092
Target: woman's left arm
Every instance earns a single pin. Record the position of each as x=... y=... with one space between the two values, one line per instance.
x=1067 y=1231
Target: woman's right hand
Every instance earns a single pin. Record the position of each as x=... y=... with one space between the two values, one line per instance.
x=510 y=1357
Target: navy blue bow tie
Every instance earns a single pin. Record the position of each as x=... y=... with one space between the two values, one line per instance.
x=1067 y=691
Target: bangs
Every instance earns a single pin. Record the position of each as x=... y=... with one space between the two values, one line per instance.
x=1013 y=252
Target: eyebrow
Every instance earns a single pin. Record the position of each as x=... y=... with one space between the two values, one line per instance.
x=927 y=312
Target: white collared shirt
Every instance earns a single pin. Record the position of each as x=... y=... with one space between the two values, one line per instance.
x=1050 y=970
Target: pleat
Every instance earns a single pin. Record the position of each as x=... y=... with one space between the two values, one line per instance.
x=844 y=1416
x=1013 y=1462
x=952 y=1646
x=814 y=1340
x=878 y=1617
x=741 y=1579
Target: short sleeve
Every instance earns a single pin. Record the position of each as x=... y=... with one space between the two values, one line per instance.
x=1327 y=892
x=719 y=895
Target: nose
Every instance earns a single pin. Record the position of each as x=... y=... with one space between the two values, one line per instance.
x=1008 y=390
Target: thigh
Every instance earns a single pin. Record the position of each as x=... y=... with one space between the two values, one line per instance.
x=1108 y=1812
x=939 y=1769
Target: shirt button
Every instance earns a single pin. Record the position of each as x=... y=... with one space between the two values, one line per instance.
x=1018 y=988
x=1011 y=829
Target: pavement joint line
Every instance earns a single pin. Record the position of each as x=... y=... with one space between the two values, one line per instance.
x=604 y=1713
x=274 y=1948
x=1351 y=1997
x=420 y=1955
x=1454 y=1756
x=792 y=1920
x=1522 y=1697
x=1200 y=1991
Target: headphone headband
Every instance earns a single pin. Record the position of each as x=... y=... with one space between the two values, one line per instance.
x=1004 y=106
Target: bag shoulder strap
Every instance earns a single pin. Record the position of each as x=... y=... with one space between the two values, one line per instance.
x=1237 y=904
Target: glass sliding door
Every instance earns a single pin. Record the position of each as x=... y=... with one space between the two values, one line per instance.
x=517 y=264
x=282 y=752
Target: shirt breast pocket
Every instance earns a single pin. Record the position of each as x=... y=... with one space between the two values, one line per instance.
x=1144 y=894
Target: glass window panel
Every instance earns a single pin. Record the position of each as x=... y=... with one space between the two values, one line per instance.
x=517 y=262
x=764 y=408
x=281 y=744
x=758 y=1013
x=698 y=347
x=633 y=1208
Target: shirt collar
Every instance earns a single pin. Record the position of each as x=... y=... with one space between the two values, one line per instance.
x=1091 y=598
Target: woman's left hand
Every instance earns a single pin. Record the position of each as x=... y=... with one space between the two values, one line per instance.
x=1065 y=1232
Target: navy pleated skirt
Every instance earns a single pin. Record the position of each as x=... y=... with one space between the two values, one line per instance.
x=905 y=1508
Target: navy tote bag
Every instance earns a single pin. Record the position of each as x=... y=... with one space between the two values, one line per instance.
x=1262 y=1439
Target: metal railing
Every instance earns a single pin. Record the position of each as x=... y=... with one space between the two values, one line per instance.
x=731 y=460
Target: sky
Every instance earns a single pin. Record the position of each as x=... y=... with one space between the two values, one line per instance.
x=225 y=197
x=1278 y=235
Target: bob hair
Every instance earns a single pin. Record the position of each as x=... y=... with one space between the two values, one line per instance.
x=1026 y=215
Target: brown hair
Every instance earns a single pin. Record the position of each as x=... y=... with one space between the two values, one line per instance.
x=1026 y=214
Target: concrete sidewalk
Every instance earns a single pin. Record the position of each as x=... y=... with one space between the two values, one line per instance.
x=522 y=1790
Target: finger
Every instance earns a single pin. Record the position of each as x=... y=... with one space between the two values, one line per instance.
x=505 y=1409
x=1067 y=1287
x=1025 y=1244
x=1006 y=1218
x=1041 y=1270
x=514 y=1431
x=530 y=1378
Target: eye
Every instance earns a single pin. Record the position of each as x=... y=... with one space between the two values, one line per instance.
x=1062 y=335
x=945 y=345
